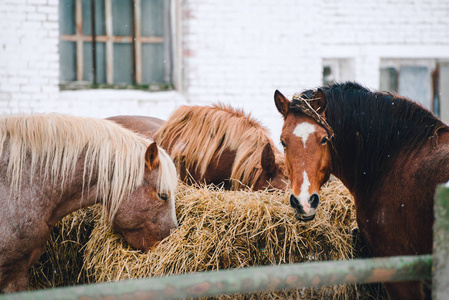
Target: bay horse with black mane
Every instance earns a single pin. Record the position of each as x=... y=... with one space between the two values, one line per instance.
x=217 y=145
x=389 y=151
x=52 y=165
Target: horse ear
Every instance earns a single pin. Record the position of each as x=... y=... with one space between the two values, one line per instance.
x=282 y=103
x=267 y=159
x=152 y=156
x=319 y=102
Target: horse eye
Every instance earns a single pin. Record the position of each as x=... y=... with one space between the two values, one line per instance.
x=324 y=140
x=163 y=196
x=283 y=144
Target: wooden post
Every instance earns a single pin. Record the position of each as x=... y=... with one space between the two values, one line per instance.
x=440 y=259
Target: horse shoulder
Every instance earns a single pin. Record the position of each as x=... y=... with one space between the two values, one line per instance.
x=21 y=227
x=403 y=203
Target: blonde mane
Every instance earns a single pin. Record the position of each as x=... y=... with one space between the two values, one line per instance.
x=55 y=143
x=193 y=134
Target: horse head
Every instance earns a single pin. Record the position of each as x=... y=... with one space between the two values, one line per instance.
x=273 y=173
x=148 y=215
x=306 y=140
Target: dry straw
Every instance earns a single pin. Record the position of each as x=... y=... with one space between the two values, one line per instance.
x=224 y=230
x=62 y=262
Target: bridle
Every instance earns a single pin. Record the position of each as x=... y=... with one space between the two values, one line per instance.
x=308 y=110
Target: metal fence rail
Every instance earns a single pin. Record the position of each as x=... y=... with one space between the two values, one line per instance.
x=253 y=279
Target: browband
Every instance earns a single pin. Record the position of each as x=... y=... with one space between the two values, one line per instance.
x=307 y=109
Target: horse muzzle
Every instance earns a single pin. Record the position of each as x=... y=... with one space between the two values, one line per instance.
x=312 y=204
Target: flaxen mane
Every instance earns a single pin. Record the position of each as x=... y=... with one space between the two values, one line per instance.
x=195 y=133
x=54 y=144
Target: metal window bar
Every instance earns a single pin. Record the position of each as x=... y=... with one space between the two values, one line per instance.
x=168 y=49
x=109 y=42
x=138 y=40
x=94 y=52
x=133 y=42
x=79 y=39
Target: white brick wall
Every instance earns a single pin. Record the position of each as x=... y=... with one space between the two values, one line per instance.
x=240 y=52
x=237 y=52
x=28 y=55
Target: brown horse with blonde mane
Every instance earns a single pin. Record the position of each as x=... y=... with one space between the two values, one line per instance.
x=52 y=165
x=217 y=145
x=223 y=146
x=389 y=151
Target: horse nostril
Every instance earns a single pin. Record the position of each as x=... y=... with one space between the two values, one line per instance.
x=314 y=200
x=294 y=201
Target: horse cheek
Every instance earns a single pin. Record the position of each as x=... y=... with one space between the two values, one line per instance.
x=139 y=240
x=157 y=228
x=142 y=239
x=326 y=165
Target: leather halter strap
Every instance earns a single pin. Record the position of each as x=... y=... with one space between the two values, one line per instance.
x=305 y=107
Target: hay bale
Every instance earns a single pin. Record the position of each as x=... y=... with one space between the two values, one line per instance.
x=225 y=230
x=218 y=230
x=61 y=263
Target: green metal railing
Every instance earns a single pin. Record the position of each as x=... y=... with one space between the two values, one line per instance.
x=254 y=279
x=270 y=278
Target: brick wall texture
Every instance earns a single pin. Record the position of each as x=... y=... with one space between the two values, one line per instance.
x=236 y=52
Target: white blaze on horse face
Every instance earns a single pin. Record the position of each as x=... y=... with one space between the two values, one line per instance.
x=304 y=195
x=303 y=131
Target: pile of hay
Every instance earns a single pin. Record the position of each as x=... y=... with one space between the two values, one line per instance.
x=62 y=262
x=221 y=230
x=225 y=230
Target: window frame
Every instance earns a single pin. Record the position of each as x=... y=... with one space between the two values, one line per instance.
x=136 y=40
x=433 y=65
x=337 y=69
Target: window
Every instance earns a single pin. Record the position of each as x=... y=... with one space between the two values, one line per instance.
x=115 y=43
x=441 y=82
x=414 y=82
x=425 y=81
x=338 y=70
x=389 y=79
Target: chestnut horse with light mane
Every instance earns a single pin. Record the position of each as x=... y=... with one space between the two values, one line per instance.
x=389 y=152
x=217 y=145
x=52 y=165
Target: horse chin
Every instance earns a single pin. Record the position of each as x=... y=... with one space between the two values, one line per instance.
x=305 y=218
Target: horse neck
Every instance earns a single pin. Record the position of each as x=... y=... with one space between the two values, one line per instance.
x=68 y=195
x=373 y=132
x=362 y=169
x=354 y=163
x=74 y=195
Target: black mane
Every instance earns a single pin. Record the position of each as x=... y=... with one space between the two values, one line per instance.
x=372 y=129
